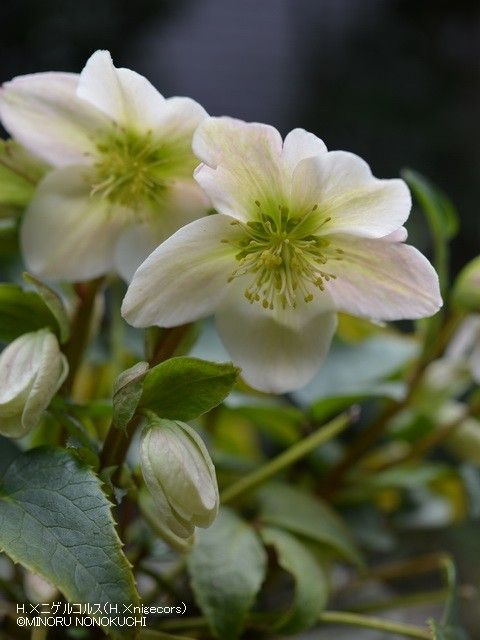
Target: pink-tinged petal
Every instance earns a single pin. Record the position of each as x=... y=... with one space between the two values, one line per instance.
x=298 y=145
x=67 y=234
x=279 y=350
x=124 y=95
x=345 y=192
x=400 y=235
x=43 y=112
x=382 y=280
x=183 y=203
x=185 y=278
x=242 y=164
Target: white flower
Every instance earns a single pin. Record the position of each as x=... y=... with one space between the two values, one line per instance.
x=301 y=233
x=122 y=179
x=180 y=476
x=465 y=346
x=32 y=369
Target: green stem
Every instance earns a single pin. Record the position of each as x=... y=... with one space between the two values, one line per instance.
x=379 y=624
x=286 y=459
x=402 y=602
x=81 y=326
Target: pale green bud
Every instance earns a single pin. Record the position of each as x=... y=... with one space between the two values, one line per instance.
x=180 y=475
x=32 y=368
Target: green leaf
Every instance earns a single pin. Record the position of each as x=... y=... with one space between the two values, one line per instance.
x=127 y=391
x=361 y=369
x=466 y=291
x=439 y=210
x=14 y=189
x=449 y=628
x=8 y=452
x=56 y=521
x=302 y=514
x=281 y=423
x=184 y=388
x=8 y=237
x=442 y=219
x=22 y=311
x=226 y=567
x=54 y=303
x=311 y=581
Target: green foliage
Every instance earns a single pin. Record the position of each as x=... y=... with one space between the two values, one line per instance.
x=226 y=567
x=449 y=628
x=466 y=291
x=127 y=391
x=311 y=582
x=54 y=304
x=439 y=210
x=184 y=388
x=23 y=311
x=300 y=513
x=55 y=520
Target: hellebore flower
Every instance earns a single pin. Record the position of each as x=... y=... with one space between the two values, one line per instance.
x=301 y=233
x=180 y=476
x=32 y=369
x=122 y=178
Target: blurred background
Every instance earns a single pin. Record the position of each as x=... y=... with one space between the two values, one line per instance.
x=396 y=81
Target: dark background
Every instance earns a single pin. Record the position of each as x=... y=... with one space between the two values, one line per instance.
x=396 y=81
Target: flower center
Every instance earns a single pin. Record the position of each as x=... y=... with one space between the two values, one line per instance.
x=284 y=258
x=128 y=170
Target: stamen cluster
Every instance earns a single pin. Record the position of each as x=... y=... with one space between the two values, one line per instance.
x=284 y=257
x=127 y=171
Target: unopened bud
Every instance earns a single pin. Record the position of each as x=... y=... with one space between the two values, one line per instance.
x=180 y=475
x=32 y=368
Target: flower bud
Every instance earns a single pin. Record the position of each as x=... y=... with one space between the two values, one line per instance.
x=32 y=368
x=180 y=475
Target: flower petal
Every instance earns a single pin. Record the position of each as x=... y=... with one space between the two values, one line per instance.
x=242 y=165
x=43 y=112
x=342 y=186
x=67 y=234
x=300 y=144
x=382 y=280
x=278 y=350
x=184 y=203
x=185 y=277
x=123 y=95
x=52 y=371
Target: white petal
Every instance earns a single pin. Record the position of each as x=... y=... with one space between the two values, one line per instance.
x=123 y=95
x=242 y=165
x=382 y=280
x=464 y=339
x=300 y=144
x=178 y=120
x=185 y=277
x=400 y=235
x=278 y=351
x=184 y=203
x=43 y=112
x=342 y=186
x=52 y=371
x=18 y=367
x=66 y=233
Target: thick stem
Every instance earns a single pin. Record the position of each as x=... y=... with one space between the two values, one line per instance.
x=81 y=326
x=379 y=624
x=286 y=459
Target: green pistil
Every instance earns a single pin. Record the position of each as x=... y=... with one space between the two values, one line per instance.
x=284 y=259
x=128 y=171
